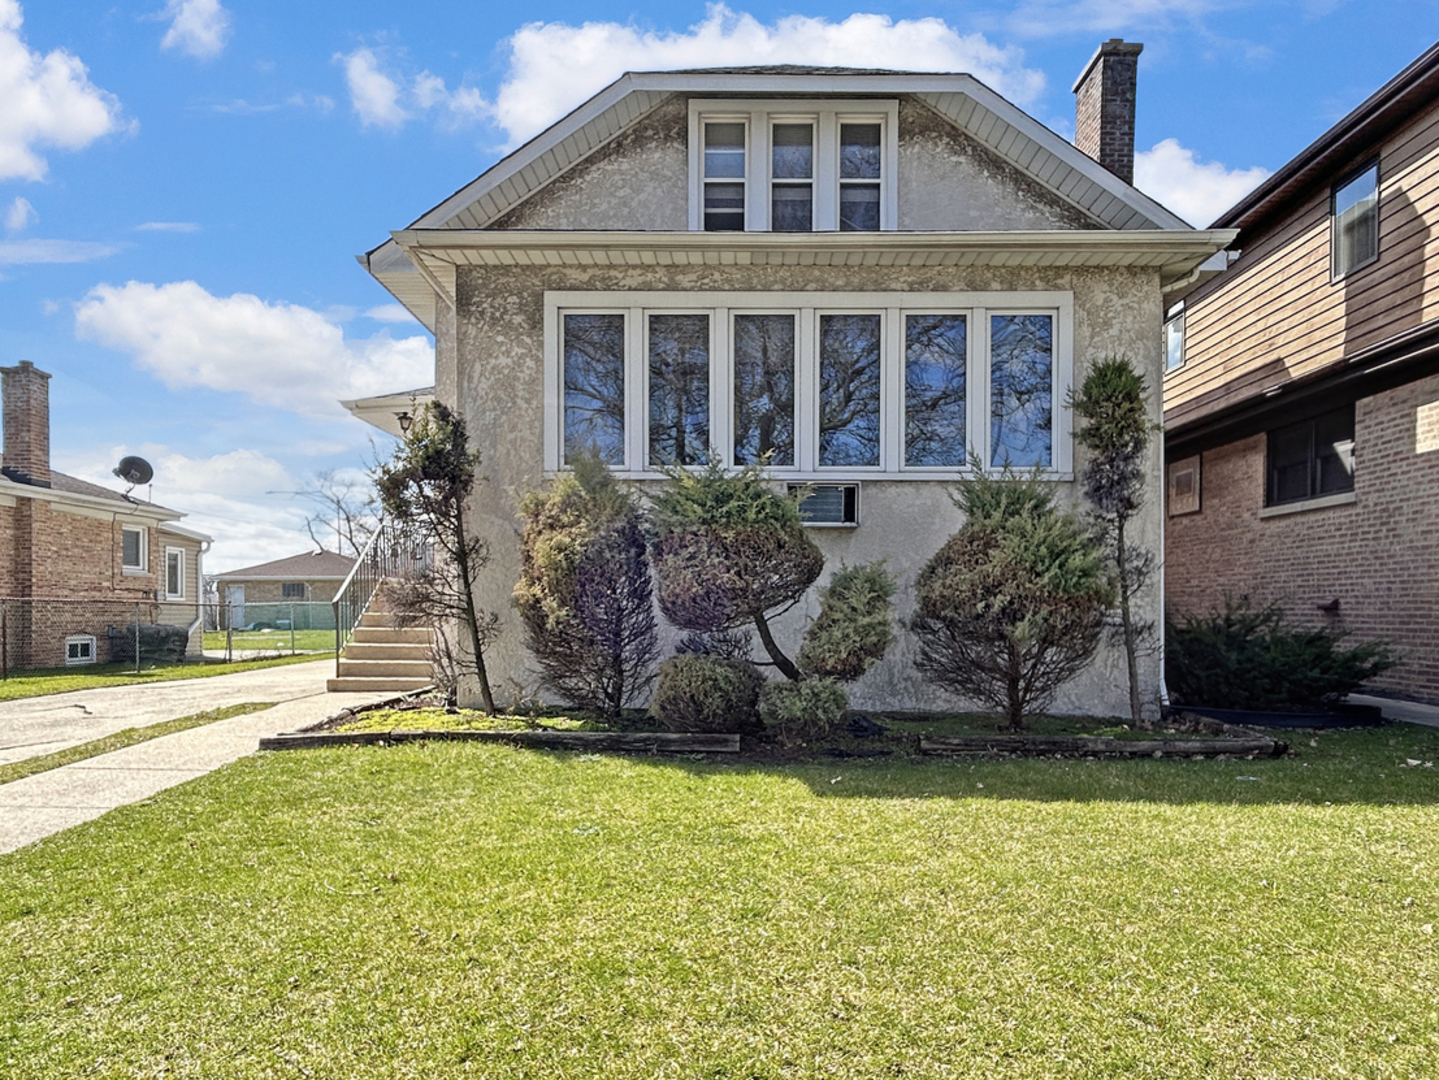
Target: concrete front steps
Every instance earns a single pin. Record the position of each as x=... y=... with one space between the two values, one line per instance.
x=382 y=657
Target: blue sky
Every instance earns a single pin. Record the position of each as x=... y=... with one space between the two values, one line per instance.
x=184 y=184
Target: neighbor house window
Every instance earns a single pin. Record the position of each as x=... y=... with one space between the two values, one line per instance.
x=1311 y=459
x=793 y=166
x=912 y=385
x=1174 y=338
x=175 y=573
x=1355 y=238
x=292 y=590
x=134 y=553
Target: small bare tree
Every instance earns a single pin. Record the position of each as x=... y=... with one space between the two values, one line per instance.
x=428 y=483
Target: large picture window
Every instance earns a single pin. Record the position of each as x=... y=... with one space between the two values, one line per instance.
x=821 y=385
x=1311 y=459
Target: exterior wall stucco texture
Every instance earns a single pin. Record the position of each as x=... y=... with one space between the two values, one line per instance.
x=948 y=182
x=1377 y=556
x=499 y=349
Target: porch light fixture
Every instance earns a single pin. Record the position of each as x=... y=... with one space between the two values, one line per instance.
x=405 y=420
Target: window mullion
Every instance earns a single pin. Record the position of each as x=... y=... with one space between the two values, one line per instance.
x=757 y=170
x=826 y=172
x=806 y=391
x=891 y=391
x=722 y=385
x=636 y=392
x=977 y=381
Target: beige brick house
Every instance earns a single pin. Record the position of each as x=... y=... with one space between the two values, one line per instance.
x=868 y=278
x=1301 y=402
x=79 y=562
x=257 y=594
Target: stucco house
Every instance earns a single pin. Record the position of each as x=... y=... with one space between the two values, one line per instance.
x=1302 y=396
x=870 y=276
x=79 y=562
x=266 y=592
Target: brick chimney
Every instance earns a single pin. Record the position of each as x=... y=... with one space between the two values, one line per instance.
x=1104 y=106
x=26 y=392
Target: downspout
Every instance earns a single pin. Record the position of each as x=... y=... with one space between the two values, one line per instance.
x=1163 y=556
x=199 y=592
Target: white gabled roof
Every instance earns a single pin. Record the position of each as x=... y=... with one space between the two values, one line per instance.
x=974 y=108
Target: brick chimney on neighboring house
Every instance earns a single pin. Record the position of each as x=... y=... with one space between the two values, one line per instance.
x=26 y=392
x=1104 y=106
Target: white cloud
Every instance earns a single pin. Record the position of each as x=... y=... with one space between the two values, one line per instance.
x=555 y=66
x=199 y=28
x=225 y=495
x=375 y=96
x=394 y=313
x=168 y=226
x=278 y=354
x=20 y=214
x=30 y=252
x=48 y=101
x=1197 y=191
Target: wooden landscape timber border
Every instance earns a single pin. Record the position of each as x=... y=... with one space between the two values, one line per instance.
x=628 y=741
x=1094 y=744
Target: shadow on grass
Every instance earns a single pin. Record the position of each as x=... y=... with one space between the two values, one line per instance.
x=1357 y=766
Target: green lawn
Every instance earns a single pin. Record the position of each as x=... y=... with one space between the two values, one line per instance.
x=273 y=640
x=459 y=910
x=62 y=680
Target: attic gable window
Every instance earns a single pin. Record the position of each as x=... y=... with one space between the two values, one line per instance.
x=790 y=165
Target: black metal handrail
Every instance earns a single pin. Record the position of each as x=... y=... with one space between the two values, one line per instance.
x=396 y=549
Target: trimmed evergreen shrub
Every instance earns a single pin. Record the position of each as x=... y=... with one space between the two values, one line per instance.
x=1247 y=658
x=584 y=594
x=854 y=626
x=699 y=693
x=729 y=551
x=1012 y=606
x=803 y=710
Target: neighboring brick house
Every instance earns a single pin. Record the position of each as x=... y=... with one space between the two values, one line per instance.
x=78 y=560
x=256 y=594
x=1302 y=400
x=873 y=276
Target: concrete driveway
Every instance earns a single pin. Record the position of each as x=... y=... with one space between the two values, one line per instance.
x=38 y=806
x=34 y=726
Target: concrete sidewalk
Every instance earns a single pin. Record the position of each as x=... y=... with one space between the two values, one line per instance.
x=34 y=726
x=46 y=803
x=1410 y=712
x=37 y=806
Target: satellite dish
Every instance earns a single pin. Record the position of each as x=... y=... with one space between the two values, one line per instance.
x=134 y=470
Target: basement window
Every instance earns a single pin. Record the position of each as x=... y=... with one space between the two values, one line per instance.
x=828 y=504
x=79 y=649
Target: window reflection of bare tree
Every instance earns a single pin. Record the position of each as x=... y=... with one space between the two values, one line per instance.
x=934 y=377
x=764 y=389
x=1021 y=391
x=679 y=389
x=849 y=390
x=595 y=386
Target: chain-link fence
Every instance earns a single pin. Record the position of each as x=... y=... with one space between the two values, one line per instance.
x=43 y=634
x=56 y=634
x=246 y=630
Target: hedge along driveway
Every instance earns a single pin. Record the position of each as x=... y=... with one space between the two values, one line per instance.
x=460 y=910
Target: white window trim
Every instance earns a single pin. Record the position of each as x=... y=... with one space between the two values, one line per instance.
x=169 y=551
x=722 y=306
x=81 y=639
x=757 y=116
x=144 y=567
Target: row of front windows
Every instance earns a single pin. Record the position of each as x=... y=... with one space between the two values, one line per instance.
x=810 y=388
